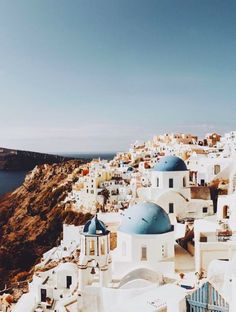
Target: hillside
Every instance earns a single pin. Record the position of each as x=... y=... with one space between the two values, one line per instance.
x=14 y=160
x=31 y=217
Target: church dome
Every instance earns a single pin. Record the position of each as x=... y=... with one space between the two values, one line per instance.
x=170 y=163
x=95 y=227
x=145 y=218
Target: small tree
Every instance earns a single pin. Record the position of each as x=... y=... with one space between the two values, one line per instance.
x=106 y=194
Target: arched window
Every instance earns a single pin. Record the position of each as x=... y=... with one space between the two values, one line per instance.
x=216 y=169
x=226 y=212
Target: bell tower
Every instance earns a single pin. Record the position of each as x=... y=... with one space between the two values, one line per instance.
x=95 y=258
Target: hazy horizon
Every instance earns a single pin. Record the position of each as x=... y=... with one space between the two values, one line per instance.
x=89 y=76
x=97 y=152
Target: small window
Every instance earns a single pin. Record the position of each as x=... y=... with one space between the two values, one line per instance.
x=171 y=183
x=157 y=182
x=216 y=169
x=203 y=239
x=184 y=182
x=204 y=209
x=202 y=182
x=144 y=254
x=171 y=207
x=92 y=191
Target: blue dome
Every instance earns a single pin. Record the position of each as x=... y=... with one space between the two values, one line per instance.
x=170 y=163
x=95 y=227
x=145 y=218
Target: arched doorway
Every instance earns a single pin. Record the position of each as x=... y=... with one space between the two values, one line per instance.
x=216 y=169
x=226 y=212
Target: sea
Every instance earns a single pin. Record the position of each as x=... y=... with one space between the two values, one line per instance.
x=10 y=180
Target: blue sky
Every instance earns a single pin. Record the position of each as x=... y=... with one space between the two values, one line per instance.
x=95 y=75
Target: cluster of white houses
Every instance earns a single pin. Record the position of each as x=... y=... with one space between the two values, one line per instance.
x=172 y=185
x=88 y=192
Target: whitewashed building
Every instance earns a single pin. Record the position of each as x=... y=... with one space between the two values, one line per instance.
x=170 y=189
x=145 y=239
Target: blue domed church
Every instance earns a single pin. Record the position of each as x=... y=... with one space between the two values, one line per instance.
x=170 y=173
x=145 y=239
x=171 y=190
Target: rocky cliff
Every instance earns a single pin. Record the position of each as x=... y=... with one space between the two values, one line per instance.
x=23 y=160
x=31 y=217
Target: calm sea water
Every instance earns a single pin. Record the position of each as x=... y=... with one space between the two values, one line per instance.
x=10 y=180
x=107 y=156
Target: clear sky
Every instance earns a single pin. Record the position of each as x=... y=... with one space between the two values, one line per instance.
x=95 y=75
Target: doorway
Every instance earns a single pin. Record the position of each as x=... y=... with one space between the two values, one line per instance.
x=226 y=212
x=68 y=281
x=43 y=295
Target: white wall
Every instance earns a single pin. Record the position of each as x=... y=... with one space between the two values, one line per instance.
x=164 y=177
x=230 y=201
x=163 y=199
x=159 y=249
x=61 y=278
x=71 y=233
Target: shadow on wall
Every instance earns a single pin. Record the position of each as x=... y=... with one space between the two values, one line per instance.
x=142 y=273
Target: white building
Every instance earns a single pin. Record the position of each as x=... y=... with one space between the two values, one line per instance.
x=145 y=239
x=228 y=143
x=206 y=167
x=222 y=274
x=51 y=290
x=212 y=241
x=170 y=189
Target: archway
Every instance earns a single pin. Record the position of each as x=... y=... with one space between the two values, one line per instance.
x=216 y=169
x=226 y=212
x=142 y=273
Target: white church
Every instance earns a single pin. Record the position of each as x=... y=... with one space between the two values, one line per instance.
x=145 y=239
x=171 y=190
x=101 y=280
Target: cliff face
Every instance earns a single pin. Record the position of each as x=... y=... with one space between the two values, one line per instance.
x=31 y=217
x=24 y=160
